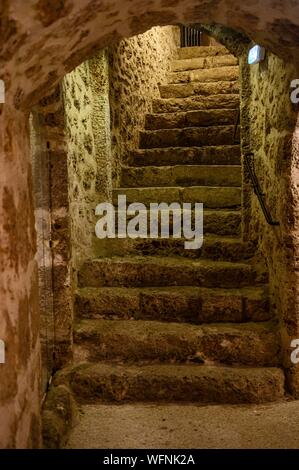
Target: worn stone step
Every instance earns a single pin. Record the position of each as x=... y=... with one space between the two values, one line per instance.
x=230 y=73
x=134 y=341
x=187 y=137
x=203 y=62
x=213 y=117
x=224 y=223
x=93 y=383
x=190 y=175
x=185 y=90
x=211 y=197
x=174 y=304
x=201 y=51
x=172 y=105
x=225 y=249
x=149 y=271
x=218 y=155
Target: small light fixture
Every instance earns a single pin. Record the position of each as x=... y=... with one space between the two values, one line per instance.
x=256 y=54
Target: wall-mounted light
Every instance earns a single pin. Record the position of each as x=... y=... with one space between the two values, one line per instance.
x=256 y=54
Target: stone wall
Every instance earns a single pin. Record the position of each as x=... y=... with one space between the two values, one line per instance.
x=40 y=45
x=50 y=185
x=272 y=125
x=136 y=68
x=20 y=376
x=121 y=89
x=87 y=115
x=70 y=147
x=269 y=124
x=43 y=224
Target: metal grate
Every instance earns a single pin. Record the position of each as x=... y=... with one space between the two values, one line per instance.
x=190 y=37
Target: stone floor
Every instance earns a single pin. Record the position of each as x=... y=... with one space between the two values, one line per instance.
x=187 y=426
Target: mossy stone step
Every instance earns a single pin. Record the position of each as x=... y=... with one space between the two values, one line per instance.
x=201 y=51
x=93 y=383
x=181 y=175
x=133 y=341
x=211 y=197
x=185 y=90
x=173 y=304
x=200 y=118
x=229 y=73
x=187 y=137
x=224 y=101
x=213 y=248
x=203 y=62
x=223 y=223
x=161 y=271
x=213 y=155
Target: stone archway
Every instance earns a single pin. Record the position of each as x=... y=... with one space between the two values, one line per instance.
x=42 y=41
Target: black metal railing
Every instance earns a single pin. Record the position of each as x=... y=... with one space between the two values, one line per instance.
x=236 y=137
x=249 y=164
x=190 y=37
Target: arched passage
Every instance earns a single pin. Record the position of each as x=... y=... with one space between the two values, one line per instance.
x=43 y=41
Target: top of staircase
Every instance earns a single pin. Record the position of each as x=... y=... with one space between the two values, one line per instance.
x=201 y=51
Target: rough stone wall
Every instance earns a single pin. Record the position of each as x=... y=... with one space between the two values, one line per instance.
x=50 y=178
x=39 y=45
x=42 y=205
x=136 y=68
x=34 y=33
x=19 y=318
x=86 y=102
x=269 y=123
x=65 y=194
x=272 y=123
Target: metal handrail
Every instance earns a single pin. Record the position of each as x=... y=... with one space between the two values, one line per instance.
x=237 y=123
x=249 y=163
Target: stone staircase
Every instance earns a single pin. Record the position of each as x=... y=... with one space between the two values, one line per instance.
x=156 y=322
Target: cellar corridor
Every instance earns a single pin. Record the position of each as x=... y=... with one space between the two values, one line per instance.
x=107 y=110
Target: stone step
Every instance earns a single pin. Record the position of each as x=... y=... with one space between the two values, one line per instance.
x=221 y=155
x=190 y=175
x=225 y=249
x=224 y=223
x=174 y=304
x=173 y=105
x=230 y=73
x=249 y=344
x=185 y=90
x=203 y=62
x=158 y=271
x=201 y=51
x=211 y=197
x=187 y=137
x=212 y=117
x=93 y=383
